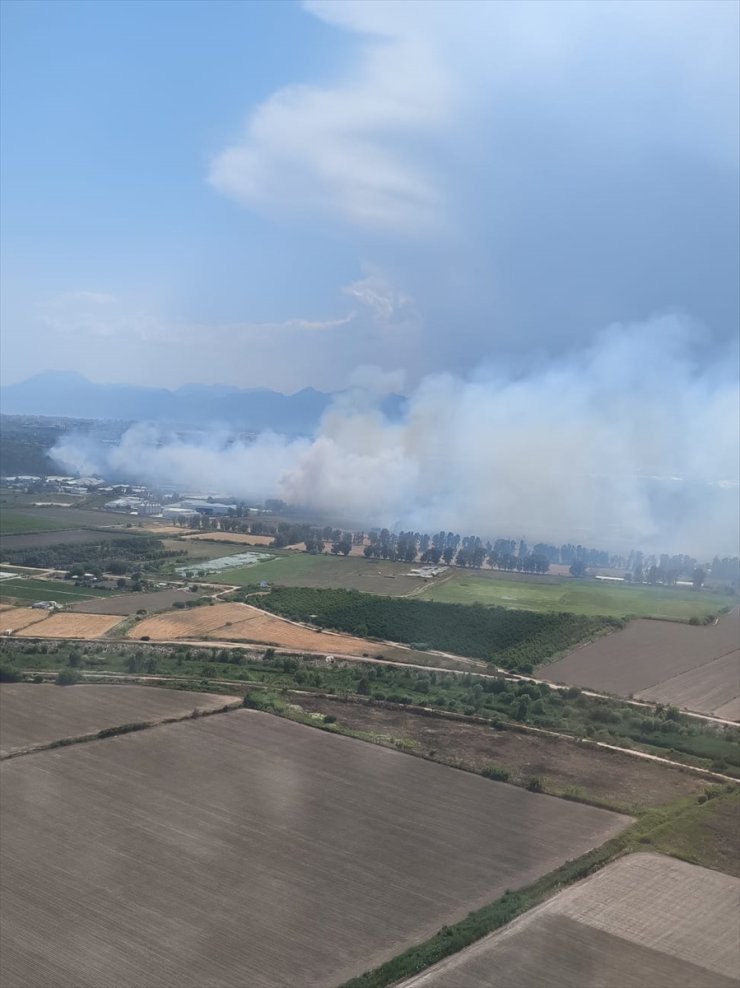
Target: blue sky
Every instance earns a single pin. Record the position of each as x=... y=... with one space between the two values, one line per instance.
x=273 y=194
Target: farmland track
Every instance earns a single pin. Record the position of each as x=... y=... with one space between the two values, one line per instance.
x=123 y=677
x=497 y=672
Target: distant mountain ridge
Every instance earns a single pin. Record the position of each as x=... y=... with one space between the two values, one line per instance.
x=71 y=395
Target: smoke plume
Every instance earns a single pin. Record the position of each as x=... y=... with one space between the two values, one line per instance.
x=631 y=442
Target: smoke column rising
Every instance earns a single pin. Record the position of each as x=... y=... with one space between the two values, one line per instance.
x=631 y=442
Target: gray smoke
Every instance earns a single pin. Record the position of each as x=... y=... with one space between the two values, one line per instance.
x=632 y=442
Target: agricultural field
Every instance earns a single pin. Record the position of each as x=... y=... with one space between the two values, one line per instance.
x=301 y=569
x=308 y=852
x=199 y=551
x=510 y=638
x=564 y=766
x=590 y=597
x=33 y=715
x=12 y=522
x=15 y=618
x=237 y=538
x=66 y=624
x=269 y=630
x=643 y=920
x=31 y=590
x=43 y=539
x=697 y=668
x=241 y=622
x=93 y=518
x=130 y=603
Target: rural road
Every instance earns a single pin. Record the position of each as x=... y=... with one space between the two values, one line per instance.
x=523 y=728
x=498 y=673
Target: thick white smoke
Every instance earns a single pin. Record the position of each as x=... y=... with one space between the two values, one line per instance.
x=632 y=442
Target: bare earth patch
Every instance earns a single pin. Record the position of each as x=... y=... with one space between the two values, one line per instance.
x=243 y=849
x=38 y=714
x=693 y=667
x=643 y=920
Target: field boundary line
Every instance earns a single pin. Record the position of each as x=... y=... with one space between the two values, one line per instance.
x=113 y=732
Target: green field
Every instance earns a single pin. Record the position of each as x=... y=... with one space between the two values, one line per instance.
x=15 y=523
x=29 y=591
x=590 y=597
x=202 y=551
x=300 y=569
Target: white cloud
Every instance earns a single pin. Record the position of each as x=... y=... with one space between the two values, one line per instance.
x=377 y=295
x=627 y=76
x=336 y=148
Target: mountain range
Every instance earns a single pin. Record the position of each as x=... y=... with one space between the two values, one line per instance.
x=71 y=395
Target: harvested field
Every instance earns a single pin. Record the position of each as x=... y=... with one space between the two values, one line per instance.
x=565 y=767
x=192 y=623
x=693 y=667
x=130 y=603
x=243 y=623
x=643 y=920
x=238 y=538
x=270 y=630
x=15 y=618
x=66 y=624
x=243 y=849
x=32 y=715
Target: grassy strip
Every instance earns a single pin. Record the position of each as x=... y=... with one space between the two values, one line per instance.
x=520 y=704
x=451 y=939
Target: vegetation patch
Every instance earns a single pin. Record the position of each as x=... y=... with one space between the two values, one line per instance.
x=511 y=639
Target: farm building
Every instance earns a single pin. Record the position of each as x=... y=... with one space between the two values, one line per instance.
x=176 y=512
x=212 y=509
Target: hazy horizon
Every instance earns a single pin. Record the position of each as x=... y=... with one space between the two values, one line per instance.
x=523 y=217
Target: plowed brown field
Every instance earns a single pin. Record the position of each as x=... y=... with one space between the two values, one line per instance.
x=33 y=715
x=693 y=667
x=69 y=625
x=643 y=920
x=242 y=849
